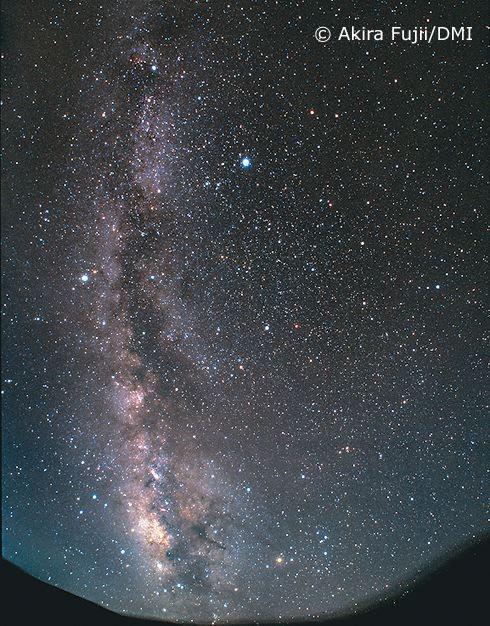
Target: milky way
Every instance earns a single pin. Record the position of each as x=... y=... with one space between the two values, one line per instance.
x=244 y=304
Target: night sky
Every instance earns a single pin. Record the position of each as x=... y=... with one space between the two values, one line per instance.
x=243 y=303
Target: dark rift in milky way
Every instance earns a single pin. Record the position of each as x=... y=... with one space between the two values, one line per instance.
x=182 y=518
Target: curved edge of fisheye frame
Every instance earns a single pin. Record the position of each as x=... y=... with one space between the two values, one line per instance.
x=449 y=591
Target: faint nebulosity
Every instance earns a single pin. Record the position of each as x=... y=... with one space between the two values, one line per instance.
x=243 y=302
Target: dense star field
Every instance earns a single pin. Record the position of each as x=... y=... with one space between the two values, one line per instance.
x=243 y=302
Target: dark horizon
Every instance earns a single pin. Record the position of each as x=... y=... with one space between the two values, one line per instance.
x=451 y=591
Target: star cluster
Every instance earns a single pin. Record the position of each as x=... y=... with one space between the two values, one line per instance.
x=243 y=303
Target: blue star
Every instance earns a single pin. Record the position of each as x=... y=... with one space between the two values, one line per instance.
x=246 y=162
